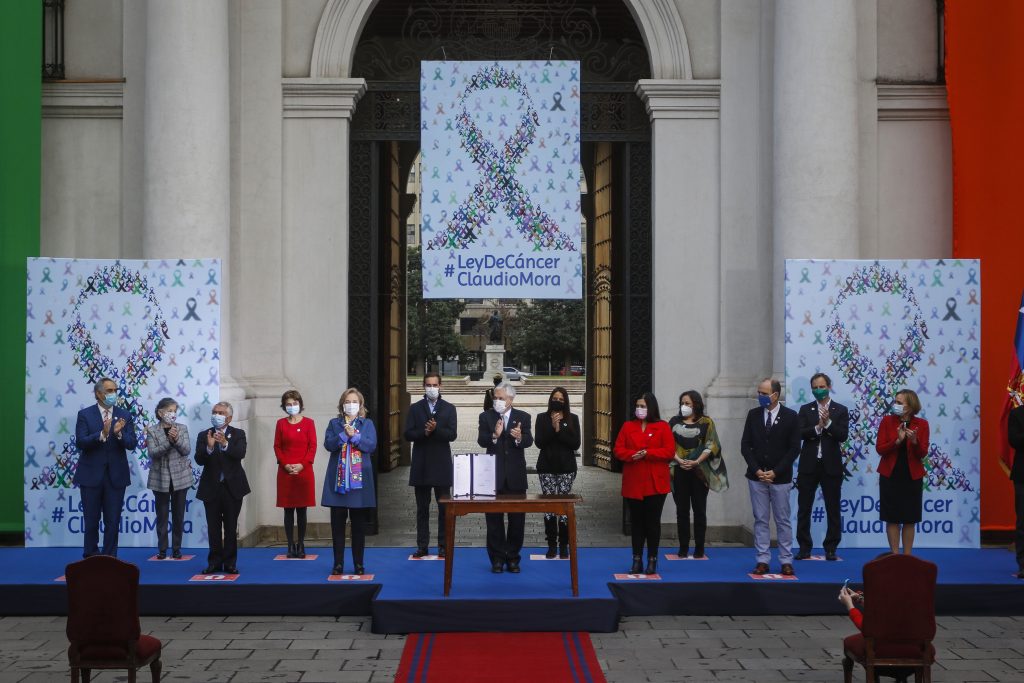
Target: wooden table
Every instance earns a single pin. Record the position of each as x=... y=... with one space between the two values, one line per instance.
x=504 y=503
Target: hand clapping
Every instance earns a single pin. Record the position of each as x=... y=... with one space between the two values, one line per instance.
x=516 y=432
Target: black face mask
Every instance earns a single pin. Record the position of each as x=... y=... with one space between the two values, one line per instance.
x=556 y=406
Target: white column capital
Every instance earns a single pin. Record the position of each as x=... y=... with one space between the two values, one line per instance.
x=680 y=99
x=321 y=98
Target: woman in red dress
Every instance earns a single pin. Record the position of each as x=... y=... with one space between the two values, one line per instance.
x=295 y=448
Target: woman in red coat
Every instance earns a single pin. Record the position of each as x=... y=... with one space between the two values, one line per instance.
x=903 y=444
x=295 y=448
x=645 y=448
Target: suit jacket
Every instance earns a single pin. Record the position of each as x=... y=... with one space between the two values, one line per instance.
x=831 y=438
x=97 y=457
x=775 y=450
x=431 y=454
x=510 y=459
x=885 y=444
x=228 y=462
x=169 y=462
x=1015 y=432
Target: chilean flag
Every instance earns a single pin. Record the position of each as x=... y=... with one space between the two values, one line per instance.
x=1014 y=389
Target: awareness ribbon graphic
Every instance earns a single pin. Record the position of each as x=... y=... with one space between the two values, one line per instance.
x=498 y=185
x=874 y=387
x=90 y=359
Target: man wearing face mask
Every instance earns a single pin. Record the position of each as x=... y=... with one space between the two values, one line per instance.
x=220 y=451
x=824 y=426
x=505 y=432
x=431 y=426
x=104 y=434
x=770 y=444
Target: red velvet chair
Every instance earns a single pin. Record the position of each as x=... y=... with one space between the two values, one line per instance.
x=103 y=619
x=899 y=619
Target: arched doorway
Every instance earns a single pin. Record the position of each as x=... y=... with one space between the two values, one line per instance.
x=616 y=153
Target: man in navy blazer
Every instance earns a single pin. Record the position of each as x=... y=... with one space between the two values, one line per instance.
x=431 y=426
x=104 y=434
x=505 y=432
x=824 y=426
x=222 y=485
x=770 y=444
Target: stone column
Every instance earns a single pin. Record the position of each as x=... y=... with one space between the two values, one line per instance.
x=816 y=141
x=186 y=165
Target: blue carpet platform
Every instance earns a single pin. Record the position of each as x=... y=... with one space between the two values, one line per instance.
x=407 y=596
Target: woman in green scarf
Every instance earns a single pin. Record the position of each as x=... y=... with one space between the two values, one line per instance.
x=697 y=468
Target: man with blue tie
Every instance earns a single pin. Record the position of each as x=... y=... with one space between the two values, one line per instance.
x=104 y=434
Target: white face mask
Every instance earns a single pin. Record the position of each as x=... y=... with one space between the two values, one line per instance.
x=351 y=409
x=641 y=413
x=499 y=406
x=685 y=410
x=432 y=393
x=169 y=417
x=218 y=420
x=897 y=409
x=292 y=409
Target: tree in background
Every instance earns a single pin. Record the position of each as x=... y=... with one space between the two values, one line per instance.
x=432 y=323
x=549 y=331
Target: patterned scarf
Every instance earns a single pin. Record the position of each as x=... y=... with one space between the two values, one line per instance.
x=349 y=476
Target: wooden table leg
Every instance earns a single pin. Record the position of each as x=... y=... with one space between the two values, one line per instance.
x=571 y=514
x=449 y=538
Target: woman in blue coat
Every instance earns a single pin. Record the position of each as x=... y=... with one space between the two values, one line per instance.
x=348 y=487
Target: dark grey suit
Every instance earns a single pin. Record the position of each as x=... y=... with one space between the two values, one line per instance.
x=510 y=477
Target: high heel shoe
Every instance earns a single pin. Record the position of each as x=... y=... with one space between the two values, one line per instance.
x=652 y=565
x=291 y=552
x=338 y=570
x=637 y=565
x=300 y=550
x=359 y=569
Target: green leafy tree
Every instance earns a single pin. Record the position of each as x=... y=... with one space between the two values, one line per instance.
x=549 y=330
x=432 y=323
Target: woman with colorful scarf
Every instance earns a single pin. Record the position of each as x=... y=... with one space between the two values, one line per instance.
x=348 y=485
x=697 y=468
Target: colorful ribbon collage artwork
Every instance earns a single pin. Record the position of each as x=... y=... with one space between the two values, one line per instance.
x=876 y=327
x=151 y=326
x=500 y=165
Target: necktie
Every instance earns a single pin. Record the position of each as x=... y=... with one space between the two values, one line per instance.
x=768 y=420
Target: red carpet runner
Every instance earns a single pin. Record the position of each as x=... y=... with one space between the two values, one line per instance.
x=497 y=657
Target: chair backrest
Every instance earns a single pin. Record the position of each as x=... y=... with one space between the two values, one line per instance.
x=899 y=599
x=103 y=601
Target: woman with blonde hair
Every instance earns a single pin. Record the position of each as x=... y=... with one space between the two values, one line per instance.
x=903 y=444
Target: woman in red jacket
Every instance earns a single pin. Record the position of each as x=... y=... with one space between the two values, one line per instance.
x=645 y=448
x=295 y=447
x=903 y=444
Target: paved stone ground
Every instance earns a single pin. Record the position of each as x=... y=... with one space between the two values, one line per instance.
x=240 y=649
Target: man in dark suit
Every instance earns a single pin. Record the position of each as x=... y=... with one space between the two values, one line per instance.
x=505 y=432
x=824 y=426
x=1015 y=432
x=104 y=434
x=770 y=444
x=431 y=426
x=223 y=484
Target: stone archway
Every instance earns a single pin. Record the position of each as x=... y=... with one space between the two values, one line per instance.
x=342 y=22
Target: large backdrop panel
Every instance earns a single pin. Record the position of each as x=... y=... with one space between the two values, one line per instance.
x=876 y=327
x=151 y=326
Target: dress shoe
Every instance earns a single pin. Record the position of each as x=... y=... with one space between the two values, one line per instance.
x=637 y=565
x=300 y=550
x=212 y=570
x=231 y=570
x=830 y=555
x=802 y=555
x=420 y=552
x=761 y=568
x=497 y=567
x=563 y=552
x=682 y=552
x=359 y=569
x=698 y=554
x=787 y=570
x=338 y=570
x=513 y=566
x=176 y=554
x=162 y=555
x=652 y=566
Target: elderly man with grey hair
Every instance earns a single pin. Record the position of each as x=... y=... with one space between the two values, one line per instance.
x=505 y=432
x=220 y=450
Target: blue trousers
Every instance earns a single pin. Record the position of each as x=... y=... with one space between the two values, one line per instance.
x=105 y=499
